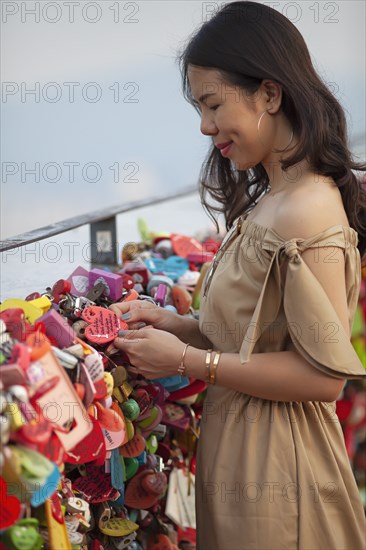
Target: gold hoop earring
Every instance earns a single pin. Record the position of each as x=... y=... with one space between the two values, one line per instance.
x=274 y=150
x=258 y=126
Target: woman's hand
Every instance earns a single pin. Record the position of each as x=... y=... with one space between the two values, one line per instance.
x=154 y=353
x=139 y=311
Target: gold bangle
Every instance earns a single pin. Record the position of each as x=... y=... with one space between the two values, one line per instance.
x=214 y=367
x=208 y=364
x=182 y=367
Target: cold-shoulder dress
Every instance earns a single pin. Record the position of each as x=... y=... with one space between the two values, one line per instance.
x=275 y=475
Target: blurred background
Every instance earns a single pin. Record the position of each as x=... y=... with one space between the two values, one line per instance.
x=92 y=110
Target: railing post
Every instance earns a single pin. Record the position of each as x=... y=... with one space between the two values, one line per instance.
x=103 y=242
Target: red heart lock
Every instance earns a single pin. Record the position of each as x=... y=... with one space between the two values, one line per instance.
x=183 y=245
x=52 y=449
x=155 y=483
x=91 y=448
x=96 y=488
x=10 y=507
x=59 y=289
x=16 y=324
x=103 y=324
x=133 y=448
x=136 y=495
x=37 y=431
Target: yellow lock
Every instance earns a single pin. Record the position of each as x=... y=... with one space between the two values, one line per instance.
x=117 y=394
x=31 y=312
x=43 y=303
x=118 y=527
x=109 y=382
x=15 y=416
x=130 y=429
x=126 y=389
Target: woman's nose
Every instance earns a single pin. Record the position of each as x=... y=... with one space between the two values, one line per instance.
x=208 y=127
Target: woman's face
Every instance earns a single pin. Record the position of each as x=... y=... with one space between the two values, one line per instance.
x=229 y=114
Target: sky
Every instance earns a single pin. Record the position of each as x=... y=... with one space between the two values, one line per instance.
x=107 y=122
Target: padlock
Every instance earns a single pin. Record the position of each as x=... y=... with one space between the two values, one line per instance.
x=130 y=409
x=97 y=291
x=124 y=542
x=109 y=382
x=79 y=328
x=60 y=289
x=103 y=514
x=58 y=328
x=126 y=389
x=24 y=535
x=76 y=505
x=119 y=374
x=113 y=283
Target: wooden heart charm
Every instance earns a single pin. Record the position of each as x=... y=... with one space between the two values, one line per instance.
x=103 y=324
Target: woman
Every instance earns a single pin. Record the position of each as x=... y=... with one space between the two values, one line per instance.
x=279 y=300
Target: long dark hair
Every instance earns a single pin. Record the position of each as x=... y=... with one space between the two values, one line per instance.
x=248 y=42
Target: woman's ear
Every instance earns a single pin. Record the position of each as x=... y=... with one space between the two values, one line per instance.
x=272 y=95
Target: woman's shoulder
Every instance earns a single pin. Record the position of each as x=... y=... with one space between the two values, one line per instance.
x=311 y=207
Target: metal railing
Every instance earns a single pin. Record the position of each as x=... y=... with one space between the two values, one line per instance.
x=103 y=232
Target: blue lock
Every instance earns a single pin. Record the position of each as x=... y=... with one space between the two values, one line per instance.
x=173 y=383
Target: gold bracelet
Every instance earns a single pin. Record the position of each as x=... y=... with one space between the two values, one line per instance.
x=214 y=367
x=208 y=365
x=182 y=367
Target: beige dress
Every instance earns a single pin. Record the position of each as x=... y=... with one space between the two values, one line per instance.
x=272 y=474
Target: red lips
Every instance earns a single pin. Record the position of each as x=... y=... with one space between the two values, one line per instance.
x=223 y=145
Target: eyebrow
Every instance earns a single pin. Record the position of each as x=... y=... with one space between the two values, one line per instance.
x=203 y=97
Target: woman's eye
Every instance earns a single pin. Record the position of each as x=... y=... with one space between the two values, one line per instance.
x=214 y=107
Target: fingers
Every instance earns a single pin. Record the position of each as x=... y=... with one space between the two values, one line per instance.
x=133 y=335
x=136 y=312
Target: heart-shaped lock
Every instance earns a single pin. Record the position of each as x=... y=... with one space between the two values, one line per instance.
x=133 y=448
x=91 y=448
x=182 y=299
x=183 y=245
x=10 y=507
x=155 y=483
x=96 y=488
x=139 y=496
x=103 y=324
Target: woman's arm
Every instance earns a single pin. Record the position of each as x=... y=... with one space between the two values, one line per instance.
x=277 y=376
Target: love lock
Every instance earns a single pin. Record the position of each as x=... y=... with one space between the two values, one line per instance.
x=123 y=543
x=76 y=505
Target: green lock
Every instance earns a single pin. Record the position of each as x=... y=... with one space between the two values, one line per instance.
x=152 y=444
x=34 y=465
x=130 y=409
x=24 y=535
x=131 y=467
x=129 y=429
